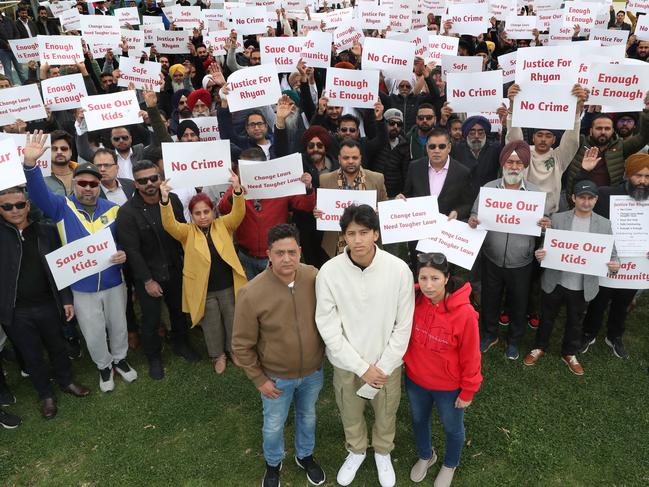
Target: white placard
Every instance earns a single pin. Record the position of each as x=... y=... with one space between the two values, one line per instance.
x=112 y=110
x=501 y=9
x=544 y=19
x=21 y=102
x=100 y=25
x=460 y=64
x=618 y=89
x=580 y=252
x=187 y=18
x=11 y=168
x=457 y=241
x=392 y=57
x=332 y=203
x=25 y=50
x=407 y=220
x=400 y=20
x=372 y=16
x=511 y=211
x=208 y=127
x=214 y=15
x=547 y=65
x=58 y=8
x=630 y=223
x=316 y=51
x=44 y=162
x=58 y=50
x=520 y=26
x=546 y=5
x=217 y=39
x=253 y=87
x=352 y=88
x=439 y=46
x=334 y=18
x=250 y=20
x=172 y=41
x=134 y=41
x=471 y=19
x=70 y=20
x=474 y=91
x=63 y=92
x=633 y=274
x=82 y=258
x=150 y=31
x=272 y=179
x=347 y=34
x=583 y=14
x=99 y=45
x=642 y=28
x=140 y=74
x=537 y=106
x=638 y=6
x=559 y=33
x=127 y=16
x=507 y=63
x=417 y=37
x=196 y=164
x=283 y=52
x=609 y=37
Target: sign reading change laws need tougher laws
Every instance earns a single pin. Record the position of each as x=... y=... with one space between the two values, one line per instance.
x=457 y=240
x=406 y=220
x=82 y=258
x=332 y=203
x=352 y=88
x=272 y=179
x=580 y=252
x=190 y=165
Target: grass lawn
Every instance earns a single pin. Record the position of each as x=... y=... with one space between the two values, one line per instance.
x=528 y=426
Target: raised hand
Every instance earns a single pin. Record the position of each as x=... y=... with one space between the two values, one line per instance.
x=234 y=181
x=34 y=147
x=591 y=158
x=165 y=189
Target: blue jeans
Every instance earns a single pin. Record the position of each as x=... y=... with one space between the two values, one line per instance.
x=7 y=58
x=303 y=393
x=421 y=406
x=252 y=265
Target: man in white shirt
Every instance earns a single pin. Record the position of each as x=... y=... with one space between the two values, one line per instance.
x=365 y=304
x=117 y=190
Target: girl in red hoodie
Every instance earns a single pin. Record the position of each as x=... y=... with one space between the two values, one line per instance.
x=442 y=363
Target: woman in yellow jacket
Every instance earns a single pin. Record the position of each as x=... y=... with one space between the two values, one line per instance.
x=212 y=273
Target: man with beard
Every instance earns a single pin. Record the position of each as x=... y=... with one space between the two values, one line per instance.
x=350 y=176
x=122 y=142
x=613 y=150
x=417 y=136
x=60 y=181
x=199 y=103
x=393 y=159
x=626 y=124
x=45 y=25
x=327 y=116
x=178 y=79
x=641 y=51
x=637 y=187
x=508 y=260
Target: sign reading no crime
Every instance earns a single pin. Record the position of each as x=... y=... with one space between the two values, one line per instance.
x=196 y=164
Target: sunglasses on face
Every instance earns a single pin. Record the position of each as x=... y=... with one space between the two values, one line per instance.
x=144 y=181
x=10 y=206
x=314 y=145
x=425 y=117
x=117 y=138
x=435 y=146
x=395 y=123
x=434 y=257
x=345 y=130
x=85 y=184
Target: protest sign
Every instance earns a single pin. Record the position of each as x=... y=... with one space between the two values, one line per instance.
x=283 y=52
x=507 y=63
x=396 y=57
x=334 y=18
x=332 y=203
x=618 y=90
x=250 y=20
x=105 y=26
x=146 y=74
x=134 y=41
x=520 y=26
x=272 y=179
x=172 y=41
x=57 y=8
x=559 y=34
x=492 y=117
x=642 y=28
x=316 y=51
x=630 y=223
x=214 y=15
x=195 y=164
x=538 y=107
x=400 y=20
x=501 y=9
x=44 y=162
x=583 y=14
x=347 y=34
x=372 y=16
x=252 y=87
x=217 y=40
x=25 y=50
x=11 y=167
x=112 y=110
x=457 y=241
x=638 y=6
x=150 y=31
x=70 y=20
x=580 y=252
x=58 y=50
x=63 y=92
x=471 y=19
x=127 y=16
x=544 y=19
x=474 y=91
x=460 y=64
x=306 y=26
x=511 y=211
x=168 y=12
x=633 y=274
x=547 y=65
x=21 y=102
x=418 y=38
x=547 y=5
x=441 y=45
x=411 y=219
x=187 y=18
x=608 y=37
x=82 y=258
x=209 y=128
x=352 y=88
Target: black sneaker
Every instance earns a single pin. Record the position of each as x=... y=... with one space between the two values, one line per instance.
x=9 y=421
x=6 y=397
x=314 y=473
x=74 y=348
x=271 y=477
x=185 y=351
x=617 y=346
x=586 y=342
x=127 y=372
x=156 y=371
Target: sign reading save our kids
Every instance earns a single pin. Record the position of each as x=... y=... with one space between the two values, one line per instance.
x=272 y=179
x=332 y=203
x=511 y=211
x=112 y=110
x=82 y=258
x=196 y=164
x=580 y=252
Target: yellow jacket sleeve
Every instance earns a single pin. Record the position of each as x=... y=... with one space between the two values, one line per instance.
x=173 y=227
x=233 y=219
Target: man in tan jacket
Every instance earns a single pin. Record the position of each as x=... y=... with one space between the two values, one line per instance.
x=276 y=342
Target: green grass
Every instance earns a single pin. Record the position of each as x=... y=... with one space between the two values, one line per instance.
x=528 y=426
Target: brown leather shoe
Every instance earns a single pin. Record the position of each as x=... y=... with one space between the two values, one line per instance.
x=133 y=340
x=76 y=390
x=220 y=363
x=574 y=366
x=48 y=408
x=533 y=357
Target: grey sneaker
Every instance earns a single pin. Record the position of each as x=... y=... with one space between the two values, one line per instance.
x=586 y=342
x=444 y=477
x=420 y=469
x=617 y=346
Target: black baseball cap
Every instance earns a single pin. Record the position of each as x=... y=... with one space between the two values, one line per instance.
x=585 y=186
x=87 y=168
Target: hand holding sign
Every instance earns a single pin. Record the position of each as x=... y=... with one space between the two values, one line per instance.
x=234 y=181
x=34 y=147
x=165 y=189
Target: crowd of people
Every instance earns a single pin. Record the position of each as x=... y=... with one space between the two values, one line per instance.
x=271 y=293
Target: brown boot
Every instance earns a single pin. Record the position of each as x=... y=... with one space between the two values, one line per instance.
x=572 y=363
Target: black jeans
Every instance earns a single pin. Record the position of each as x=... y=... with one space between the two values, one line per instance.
x=34 y=330
x=620 y=300
x=517 y=283
x=131 y=319
x=550 y=306
x=151 y=307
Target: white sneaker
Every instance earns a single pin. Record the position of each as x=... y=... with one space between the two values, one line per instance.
x=387 y=478
x=106 y=382
x=444 y=477
x=127 y=372
x=348 y=469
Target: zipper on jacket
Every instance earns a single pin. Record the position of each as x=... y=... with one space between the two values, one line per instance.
x=20 y=259
x=297 y=328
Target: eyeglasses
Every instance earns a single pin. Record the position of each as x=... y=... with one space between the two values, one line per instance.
x=395 y=122
x=626 y=121
x=256 y=125
x=117 y=138
x=404 y=85
x=425 y=117
x=104 y=166
x=144 y=181
x=509 y=162
x=10 y=206
x=476 y=132
x=60 y=149
x=436 y=258
x=314 y=145
x=85 y=184
x=437 y=146
x=350 y=130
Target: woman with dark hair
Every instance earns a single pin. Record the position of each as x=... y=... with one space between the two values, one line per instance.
x=212 y=273
x=442 y=363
